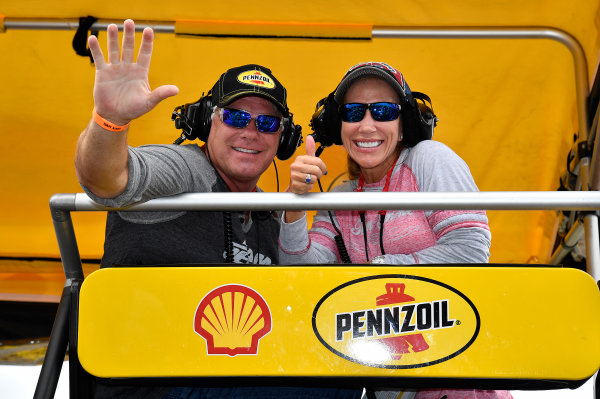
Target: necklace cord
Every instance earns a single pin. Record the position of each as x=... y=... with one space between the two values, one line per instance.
x=364 y=226
x=382 y=213
x=339 y=241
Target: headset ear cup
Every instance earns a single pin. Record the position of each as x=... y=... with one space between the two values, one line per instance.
x=418 y=119
x=202 y=118
x=325 y=122
x=318 y=129
x=411 y=131
x=317 y=124
x=291 y=137
x=194 y=118
x=333 y=120
x=427 y=121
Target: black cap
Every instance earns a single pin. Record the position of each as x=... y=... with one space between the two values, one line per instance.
x=377 y=70
x=249 y=80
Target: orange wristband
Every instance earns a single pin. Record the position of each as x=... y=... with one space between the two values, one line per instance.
x=103 y=123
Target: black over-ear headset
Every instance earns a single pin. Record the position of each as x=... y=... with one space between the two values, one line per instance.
x=418 y=120
x=195 y=121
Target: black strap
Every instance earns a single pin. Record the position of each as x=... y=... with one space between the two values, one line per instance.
x=339 y=241
x=417 y=95
x=81 y=36
x=228 y=236
x=364 y=225
x=381 y=220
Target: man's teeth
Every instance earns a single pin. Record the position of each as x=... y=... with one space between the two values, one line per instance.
x=368 y=144
x=245 y=150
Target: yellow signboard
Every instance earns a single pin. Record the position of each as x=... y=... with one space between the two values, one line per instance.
x=487 y=322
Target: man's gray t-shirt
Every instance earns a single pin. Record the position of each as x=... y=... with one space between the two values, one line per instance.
x=152 y=238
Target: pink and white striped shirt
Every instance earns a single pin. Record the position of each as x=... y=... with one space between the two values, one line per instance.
x=409 y=236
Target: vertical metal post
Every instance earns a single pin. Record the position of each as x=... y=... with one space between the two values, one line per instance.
x=592 y=141
x=592 y=252
x=576 y=233
x=60 y=207
x=57 y=347
x=590 y=221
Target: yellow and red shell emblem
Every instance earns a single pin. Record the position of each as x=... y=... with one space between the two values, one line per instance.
x=232 y=319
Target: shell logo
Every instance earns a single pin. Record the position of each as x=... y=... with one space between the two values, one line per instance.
x=232 y=319
x=396 y=321
x=256 y=78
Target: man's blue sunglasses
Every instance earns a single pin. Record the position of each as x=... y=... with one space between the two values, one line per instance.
x=240 y=119
x=381 y=112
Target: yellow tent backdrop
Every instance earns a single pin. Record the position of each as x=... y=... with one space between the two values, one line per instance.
x=509 y=106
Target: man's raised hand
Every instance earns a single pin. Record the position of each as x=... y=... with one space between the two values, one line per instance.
x=121 y=89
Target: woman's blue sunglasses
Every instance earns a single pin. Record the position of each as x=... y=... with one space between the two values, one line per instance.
x=381 y=112
x=240 y=119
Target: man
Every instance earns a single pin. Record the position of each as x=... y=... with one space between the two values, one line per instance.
x=244 y=124
x=244 y=121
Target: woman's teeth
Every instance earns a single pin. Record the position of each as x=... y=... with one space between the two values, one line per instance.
x=368 y=144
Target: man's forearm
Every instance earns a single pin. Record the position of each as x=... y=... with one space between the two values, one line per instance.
x=101 y=160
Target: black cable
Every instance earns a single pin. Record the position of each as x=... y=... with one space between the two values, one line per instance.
x=228 y=236
x=276 y=174
x=381 y=220
x=364 y=224
x=339 y=241
x=257 y=240
x=227 y=227
x=331 y=185
x=180 y=139
x=362 y=219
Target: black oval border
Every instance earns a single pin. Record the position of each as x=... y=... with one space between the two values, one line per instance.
x=405 y=276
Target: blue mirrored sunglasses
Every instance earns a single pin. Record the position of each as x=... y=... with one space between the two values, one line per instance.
x=240 y=119
x=381 y=112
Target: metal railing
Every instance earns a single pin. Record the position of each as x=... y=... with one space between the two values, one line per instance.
x=61 y=206
x=588 y=201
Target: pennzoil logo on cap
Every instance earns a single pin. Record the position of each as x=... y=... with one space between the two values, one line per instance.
x=232 y=319
x=256 y=78
x=396 y=321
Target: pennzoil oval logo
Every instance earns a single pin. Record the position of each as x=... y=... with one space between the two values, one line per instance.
x=256 y=78
x=396 y=321
x=232 y=319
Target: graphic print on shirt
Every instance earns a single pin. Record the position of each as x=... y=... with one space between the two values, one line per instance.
x=396 y=321
x=243 y=254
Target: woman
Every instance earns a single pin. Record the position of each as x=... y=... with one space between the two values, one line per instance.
x=373 y=114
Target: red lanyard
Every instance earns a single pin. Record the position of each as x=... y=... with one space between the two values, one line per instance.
x=386 y=187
